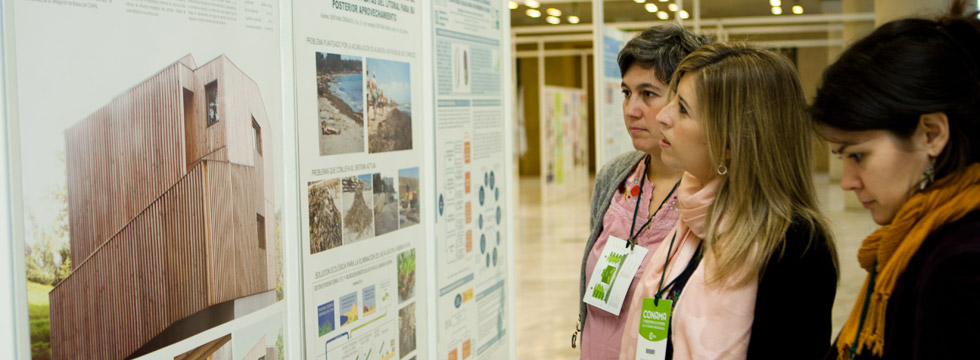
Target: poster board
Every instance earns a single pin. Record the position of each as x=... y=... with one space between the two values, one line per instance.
x=564 y=146
x=146 y=160
x=472 y=228
x=611 y=137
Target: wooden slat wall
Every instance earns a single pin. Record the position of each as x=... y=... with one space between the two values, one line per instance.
x=120 y=158
x=144 y=279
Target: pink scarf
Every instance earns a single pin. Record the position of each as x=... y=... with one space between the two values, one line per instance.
x=708 y=322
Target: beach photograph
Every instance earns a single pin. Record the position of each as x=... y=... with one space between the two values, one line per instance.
x=408 y=194
x=340 y=102
x=325 y=216
x=385 y=203
x=388 y=92
x=358 y=208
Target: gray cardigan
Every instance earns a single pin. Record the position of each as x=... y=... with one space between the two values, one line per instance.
x=606 y=183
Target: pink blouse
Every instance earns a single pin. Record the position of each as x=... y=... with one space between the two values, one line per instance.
x=603 y=331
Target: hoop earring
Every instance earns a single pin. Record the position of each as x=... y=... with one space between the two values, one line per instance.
x=722 y=169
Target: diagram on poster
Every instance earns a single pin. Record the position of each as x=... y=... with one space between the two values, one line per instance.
x=151 y=171
x=470 y=225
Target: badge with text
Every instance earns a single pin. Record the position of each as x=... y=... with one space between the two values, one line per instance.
x=613 y=273
x=651 y=344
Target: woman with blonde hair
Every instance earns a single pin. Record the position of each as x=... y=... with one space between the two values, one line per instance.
x=750 y=271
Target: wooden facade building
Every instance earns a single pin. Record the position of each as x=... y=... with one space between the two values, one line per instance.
x=171 y=209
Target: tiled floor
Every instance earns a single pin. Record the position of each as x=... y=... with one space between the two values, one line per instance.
x=548 y=253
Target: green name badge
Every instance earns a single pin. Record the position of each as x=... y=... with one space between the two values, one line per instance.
x=651 y=344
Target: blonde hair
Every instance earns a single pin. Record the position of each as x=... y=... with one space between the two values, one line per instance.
x=754 y=117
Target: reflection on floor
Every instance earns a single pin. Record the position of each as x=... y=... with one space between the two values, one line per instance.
x=548 y=254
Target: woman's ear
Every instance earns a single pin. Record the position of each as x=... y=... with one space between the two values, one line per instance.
x=932 y=134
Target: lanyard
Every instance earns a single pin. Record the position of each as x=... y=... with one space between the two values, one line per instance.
x=682 y=277
x=864 y=309
x=632 y=239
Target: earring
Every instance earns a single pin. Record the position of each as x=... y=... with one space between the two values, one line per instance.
x=928 y=177
x=722 y=169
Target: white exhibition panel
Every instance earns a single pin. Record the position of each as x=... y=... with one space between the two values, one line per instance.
x=393 y=168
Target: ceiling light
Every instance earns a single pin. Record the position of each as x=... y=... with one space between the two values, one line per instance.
x=776 y=10
x=535 y=13
x=684 y=14
x=672 y=7
x=797 y=9
x=532 y=4
x=572 y=19
x=662 y=15
x=775 y=2
x=663 y=0
x=553 y=20
x=553 y=12
x=512 y=5
x=639 y=1
x=651 y=8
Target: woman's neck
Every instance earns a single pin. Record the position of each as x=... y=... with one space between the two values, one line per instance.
x=657 y=172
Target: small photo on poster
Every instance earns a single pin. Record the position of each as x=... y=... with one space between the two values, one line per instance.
x=389 y=105
x=340 y=103
x=370 y=303
x=461 y=68
x=408 y=193
x=348 y=304
x=385 y=203
x=325 y=216
x=325 y=318
x=217 y=349
x=406 y=275
x=358 y=208
x=406 y=330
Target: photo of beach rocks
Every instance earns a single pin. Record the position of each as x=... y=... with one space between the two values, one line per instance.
x=408 y=190
x=340 y=102
x=325 y=217
x=385 y=203
x=388 y=92
x=358 y=208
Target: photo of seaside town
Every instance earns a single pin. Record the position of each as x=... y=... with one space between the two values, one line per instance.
x=389 y=101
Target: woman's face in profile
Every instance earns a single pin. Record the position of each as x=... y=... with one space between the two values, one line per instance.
x=644 y=97
x=685 y=145
x=883 y=171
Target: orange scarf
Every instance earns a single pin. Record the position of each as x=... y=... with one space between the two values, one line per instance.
x=893 y=245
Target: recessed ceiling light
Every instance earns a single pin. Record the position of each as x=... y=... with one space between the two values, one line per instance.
x=553 y=12
x=797 y=9
x=512 y=5
x=775 y=3
x=672 y=7
x=572 y=19
x=662 y=15
x=684 y=14
x=532 y=4
x=776 y=10
x=639 y=1
x=535 y=13
x=553 y=20
x=651 y=8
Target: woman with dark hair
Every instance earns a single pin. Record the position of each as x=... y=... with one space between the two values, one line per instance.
x=902 y=109
x=633 y=206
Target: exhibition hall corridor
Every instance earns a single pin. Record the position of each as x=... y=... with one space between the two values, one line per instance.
x=550 y=239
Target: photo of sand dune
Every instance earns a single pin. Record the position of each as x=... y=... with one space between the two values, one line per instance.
x=325 y=217
x=340 y=102
x=385 y=204
x=388 y=92
x=358 y=208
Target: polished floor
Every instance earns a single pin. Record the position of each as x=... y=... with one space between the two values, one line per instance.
x=550 y=239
